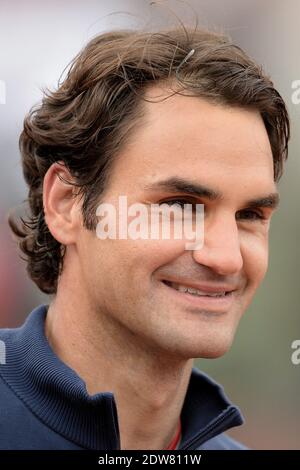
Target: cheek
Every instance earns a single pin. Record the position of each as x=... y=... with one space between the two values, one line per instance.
x=255 y=256
x=131 y=265
x=128 y=260
x=142 y=258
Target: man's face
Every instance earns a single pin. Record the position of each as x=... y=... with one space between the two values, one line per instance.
x=133 y=284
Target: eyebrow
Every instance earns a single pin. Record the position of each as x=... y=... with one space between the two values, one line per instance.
x=180 y=185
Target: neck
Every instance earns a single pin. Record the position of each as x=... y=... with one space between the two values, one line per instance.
x=149 y=387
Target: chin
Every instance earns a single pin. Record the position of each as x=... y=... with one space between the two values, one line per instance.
x=216 y=349
x=213 y=353
x=206 y=343
x=206 y=351
x=211 y=349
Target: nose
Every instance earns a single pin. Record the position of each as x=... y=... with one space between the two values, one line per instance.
x=221 y=250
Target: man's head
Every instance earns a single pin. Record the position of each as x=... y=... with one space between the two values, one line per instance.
x=133 y=118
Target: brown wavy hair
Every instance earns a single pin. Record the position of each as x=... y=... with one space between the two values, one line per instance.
x=88 y=119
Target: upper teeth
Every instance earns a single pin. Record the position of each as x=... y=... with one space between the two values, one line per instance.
x=193 y=291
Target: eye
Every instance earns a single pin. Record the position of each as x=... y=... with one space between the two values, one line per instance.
x=178 y=202
x=249 y=214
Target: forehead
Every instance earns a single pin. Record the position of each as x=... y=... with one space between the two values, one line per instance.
x=192 y=137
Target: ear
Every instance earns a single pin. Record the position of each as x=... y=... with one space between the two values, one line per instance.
x=61 y=205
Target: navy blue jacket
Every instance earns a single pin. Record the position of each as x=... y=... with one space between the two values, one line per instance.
x=44 y=404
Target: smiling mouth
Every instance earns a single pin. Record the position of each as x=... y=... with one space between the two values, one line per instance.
x=197 y=292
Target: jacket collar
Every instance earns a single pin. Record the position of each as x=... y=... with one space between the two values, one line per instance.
x=58 y=396
x=206 y=411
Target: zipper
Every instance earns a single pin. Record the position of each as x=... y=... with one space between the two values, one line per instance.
x=200 y=438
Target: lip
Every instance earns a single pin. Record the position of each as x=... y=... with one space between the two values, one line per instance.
x=216 y=305
x=204 y=286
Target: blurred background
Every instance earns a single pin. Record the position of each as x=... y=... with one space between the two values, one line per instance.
x=37 y=40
